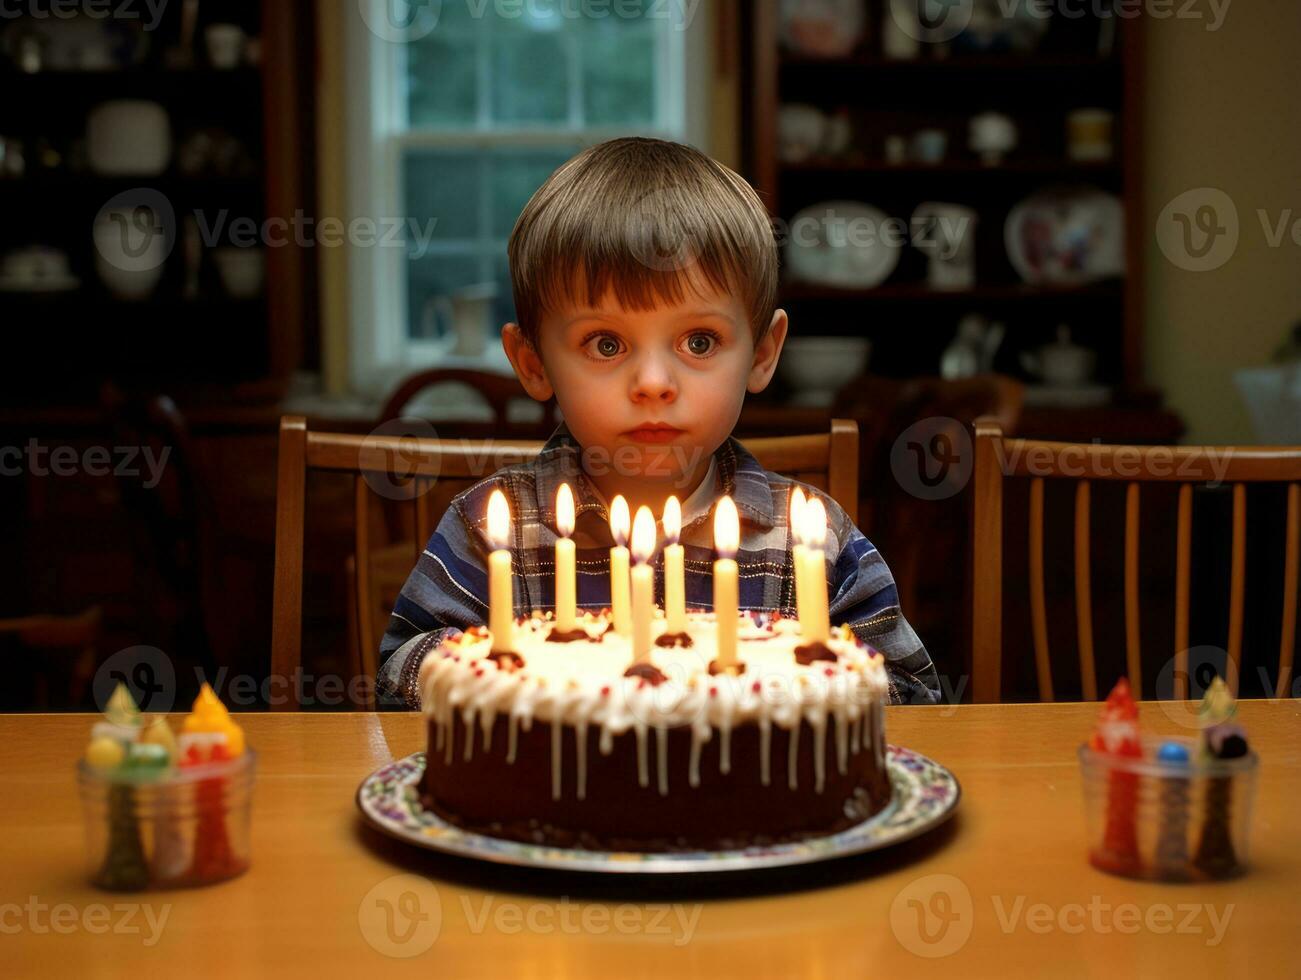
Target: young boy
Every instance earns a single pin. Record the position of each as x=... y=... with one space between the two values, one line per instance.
x=645 y=281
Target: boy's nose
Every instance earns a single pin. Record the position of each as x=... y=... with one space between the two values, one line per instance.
x=653 y=381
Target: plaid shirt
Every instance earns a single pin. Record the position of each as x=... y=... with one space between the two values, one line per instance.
x=446 y=589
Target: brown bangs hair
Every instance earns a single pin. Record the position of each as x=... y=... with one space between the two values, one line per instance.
x=650 y=219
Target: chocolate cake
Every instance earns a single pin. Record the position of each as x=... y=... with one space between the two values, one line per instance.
x=571 y=743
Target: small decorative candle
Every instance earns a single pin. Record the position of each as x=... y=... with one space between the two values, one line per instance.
x=565 y=576
x=815 y=625
x=501 y=609
x=675 y=602
x=643 y=584
x=727 y=533
x=620 y=598
x=798 y=552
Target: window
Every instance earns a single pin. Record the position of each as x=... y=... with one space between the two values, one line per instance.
x=455 y=119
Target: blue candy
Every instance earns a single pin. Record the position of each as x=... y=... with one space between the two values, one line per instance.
x=1172 y=752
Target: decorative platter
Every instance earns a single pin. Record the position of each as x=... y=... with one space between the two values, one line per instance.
x=925 y=795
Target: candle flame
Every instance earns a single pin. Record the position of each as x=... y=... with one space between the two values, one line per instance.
x=727 y=528
x=815 y=523
x=672 y=520
x=643 y=535
x=797 y=516
x=498 y=520
x=619 y=520
x=565 y=510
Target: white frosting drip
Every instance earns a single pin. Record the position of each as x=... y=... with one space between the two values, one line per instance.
x=576 y=685
x=662 y=758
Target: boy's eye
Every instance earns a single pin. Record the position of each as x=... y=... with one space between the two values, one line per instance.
x=701 y=343
x=604 y=345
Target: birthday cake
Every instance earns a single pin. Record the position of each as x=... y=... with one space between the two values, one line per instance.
x=568 y=740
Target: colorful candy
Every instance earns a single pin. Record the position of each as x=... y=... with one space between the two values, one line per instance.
x=1117 y=735
x=124 y=867
x=1172 y=831
x=1221 y=739
x=209 y=735
x=133 y=764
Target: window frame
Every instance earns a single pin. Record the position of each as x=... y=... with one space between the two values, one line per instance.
x=378 y=134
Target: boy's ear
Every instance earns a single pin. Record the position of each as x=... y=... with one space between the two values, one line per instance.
x=526 y=362
x=767 y=353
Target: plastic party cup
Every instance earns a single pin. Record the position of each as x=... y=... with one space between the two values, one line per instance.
x=1168 y=821
x=189 y=826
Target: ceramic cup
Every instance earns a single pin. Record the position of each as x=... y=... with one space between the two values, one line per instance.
x=242 y=271
x=225 y=44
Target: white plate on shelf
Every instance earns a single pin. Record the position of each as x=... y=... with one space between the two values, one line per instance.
x=1067 y=236
x=846 y=244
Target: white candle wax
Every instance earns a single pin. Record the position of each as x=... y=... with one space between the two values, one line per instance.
x=818 y=627
x=675 y=602
x=501 y=609
x=566 y=584
x=643 y=584
x=726 y=581
x=798 y=551
x=620 y=596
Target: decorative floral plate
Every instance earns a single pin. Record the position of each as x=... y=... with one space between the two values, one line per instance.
x=925 y=795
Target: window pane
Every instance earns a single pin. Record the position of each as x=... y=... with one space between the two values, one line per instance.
x=431 y=277
x=530 y=78
x=619 y=80
x=515 y=176
x=444 y=185
x=442 y=85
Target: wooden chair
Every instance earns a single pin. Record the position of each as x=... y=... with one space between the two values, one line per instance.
x=78 y=634
x=998 y=458
x=434 y=472
x=498 y=390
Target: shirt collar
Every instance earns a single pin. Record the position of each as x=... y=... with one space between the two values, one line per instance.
x=737 y=473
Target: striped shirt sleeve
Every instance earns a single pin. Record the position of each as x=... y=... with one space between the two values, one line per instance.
x=865 y=597
x=442 y=593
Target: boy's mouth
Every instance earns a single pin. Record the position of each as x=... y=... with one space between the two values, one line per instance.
x=653 y=432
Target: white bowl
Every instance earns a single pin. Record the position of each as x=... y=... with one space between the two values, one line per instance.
x=129 y=255
x=129 y=137
x=847 y=244
x=818 y=367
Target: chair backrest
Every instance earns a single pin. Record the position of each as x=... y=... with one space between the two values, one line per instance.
x=498 y=390
x=828 y=462
x=998 y=458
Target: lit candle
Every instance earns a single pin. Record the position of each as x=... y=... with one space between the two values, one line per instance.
x=501 y=609
x=643 y=584
x=565 y=581
x=620 y=600
x=675 y=601
x=814 y=534
x=727 y=533
x=798 y=551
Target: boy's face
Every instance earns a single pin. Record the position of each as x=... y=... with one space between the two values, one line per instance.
x=658 y=390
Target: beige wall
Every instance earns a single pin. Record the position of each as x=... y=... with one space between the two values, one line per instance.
x=1223 y=111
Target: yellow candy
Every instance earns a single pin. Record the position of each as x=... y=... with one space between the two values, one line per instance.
x=121 y=708
x=105 y=753
x=157 y=732
x=210 y=715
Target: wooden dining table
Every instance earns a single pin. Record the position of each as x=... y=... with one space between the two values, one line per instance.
x=1001 y=889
